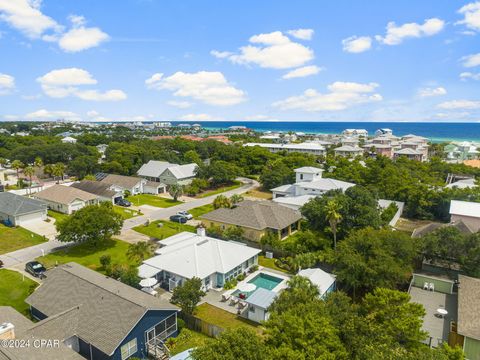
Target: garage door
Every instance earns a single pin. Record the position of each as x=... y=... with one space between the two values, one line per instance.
x=30 y=217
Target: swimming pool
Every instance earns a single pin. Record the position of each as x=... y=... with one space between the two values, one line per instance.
x=261 y=280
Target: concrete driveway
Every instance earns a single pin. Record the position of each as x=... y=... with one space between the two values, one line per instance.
x=42 y=227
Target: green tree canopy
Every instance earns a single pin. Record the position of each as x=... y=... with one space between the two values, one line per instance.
x=188 y=295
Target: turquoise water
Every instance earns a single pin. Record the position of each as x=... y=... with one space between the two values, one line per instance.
x=260 y=281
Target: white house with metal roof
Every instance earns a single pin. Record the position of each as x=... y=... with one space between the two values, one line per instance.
x=258 y=303
x=168 y=173
x=324 y=281
x=468 y=212
x=187 y=255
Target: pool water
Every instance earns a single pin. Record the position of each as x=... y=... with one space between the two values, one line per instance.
x=262 y=280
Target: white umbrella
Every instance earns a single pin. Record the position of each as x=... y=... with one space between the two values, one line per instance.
x=148 y=282
x=246 y=287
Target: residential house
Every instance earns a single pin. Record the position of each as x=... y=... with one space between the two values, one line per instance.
x=462 y=184
x=380 y=149
x=433 y=226
x=187 y=255
x=258 y=304
x=468 y=324
x=384 y=131
x=102 y=190
x=99 y=317
x=68 y=140
x=468 y=212
x=66 y=199
x=355 y=132
x=305 y=147
x=255 y=218
x=134 y=185
x=324 y=281
x=166 y=173
x=309 y=183
x=15 y=326
x=16 y=210
x=348 y=151
x=409 y=153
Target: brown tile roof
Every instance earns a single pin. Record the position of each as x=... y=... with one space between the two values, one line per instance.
x=469 y=307
x=472 y=163
x=256 y=215
x=64 y=194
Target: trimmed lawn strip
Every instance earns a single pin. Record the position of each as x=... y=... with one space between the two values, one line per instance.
x=224 y=319
x=259 y=194
x=220 y=190
x=58 y=216
x=125 y=213
x=188 y=339
x=15 y=238
x=86 y=255
x=152 y=200
x=14 y=289
x=169 y=228
x=201 y=210
x=269 y=263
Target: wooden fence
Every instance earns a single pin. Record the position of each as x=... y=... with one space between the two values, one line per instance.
x=199 y=325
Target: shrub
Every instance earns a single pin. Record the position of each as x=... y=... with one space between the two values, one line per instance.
x=230 y=284
x=241 y=277
x=105 y=261
x=253 y=268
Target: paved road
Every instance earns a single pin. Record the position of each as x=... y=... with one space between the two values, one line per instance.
x=28 y=254
x=165 y=213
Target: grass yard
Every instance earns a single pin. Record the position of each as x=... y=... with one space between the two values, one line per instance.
x=125 y=212
x=201 y=210
x=85 y=255
x=187 y=339
x=12 y=239
x=259 y=194
x=14 y=290
x=269 y=263
x=152 y=200
x=57 y=215
x=224 y=319
x=169 y=228
x=219 y=190
x=408 y=225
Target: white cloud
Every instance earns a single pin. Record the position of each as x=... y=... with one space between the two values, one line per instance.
x=194 y=117
x=396 y=34
x=469 y=75
x=341 y=95
x=52 y=115
x=429 y=92
x=302 y=34
x=471 y=13
x=471 y=60
x=459 y=104
x=93 y=113
x=61 y=83
x=209 y=87
x=26 y=16
x=179 y=104
x=221 y=54
x=357 y=44
x=7 y=84
x=273 y=50
x=302 y=72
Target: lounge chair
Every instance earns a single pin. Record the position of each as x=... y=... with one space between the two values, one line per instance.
x=425 y=286
x=431 y=287
x=233 y=301
x=225 y=297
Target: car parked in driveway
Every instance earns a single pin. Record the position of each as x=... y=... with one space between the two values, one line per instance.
x=185 y=214
x=178 y=219
x=36 y=269
x=123 y=202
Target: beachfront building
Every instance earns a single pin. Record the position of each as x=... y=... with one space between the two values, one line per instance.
x=384 y=131
x=355 y=132
x=187 y=255
x=467 y=212
x=305 y=147
x=348 y=151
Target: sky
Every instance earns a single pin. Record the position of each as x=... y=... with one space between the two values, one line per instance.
x=199 y=60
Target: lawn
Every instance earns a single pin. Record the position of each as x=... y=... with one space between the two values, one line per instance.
x=12 y=239
x=201 y=210
x=14 y=290
x=85 y=255
x=152 y=200
x=57 y=215
x=223 y=319
x=187 y=339
x=220 y=190
x=269 y=263
x=169 y=228
x=259 y=194
x=125 y=213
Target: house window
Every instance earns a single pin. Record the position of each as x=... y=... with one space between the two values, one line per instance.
x=129 y=349
x=301 y=176
x=252 y=309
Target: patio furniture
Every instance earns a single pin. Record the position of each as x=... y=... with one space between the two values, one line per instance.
x=233 y=301
x=150 y=291
x=442 y=312
x=425 y=286
x=431 y=286
x=225 y=297
x=149 y=282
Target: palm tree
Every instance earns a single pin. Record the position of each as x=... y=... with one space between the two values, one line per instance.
x=17 y=165
x=58 y=170
x=175 y=191
x=221 y=201
x=236 y=198
x=48 y=169
x=140 y=251
x=38 y=162
x=3 y=161
x=334 y=218
x=29 y=171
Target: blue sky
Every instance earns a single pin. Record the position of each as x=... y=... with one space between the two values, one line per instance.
x=240 y=60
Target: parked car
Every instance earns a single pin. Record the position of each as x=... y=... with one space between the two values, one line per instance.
x=123 y=202
x=185 y=214
x=35 y=269
x=178 y=219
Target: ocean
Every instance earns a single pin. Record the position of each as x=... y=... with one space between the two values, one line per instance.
x=436 y=132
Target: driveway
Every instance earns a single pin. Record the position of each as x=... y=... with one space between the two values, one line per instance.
x=42 y=227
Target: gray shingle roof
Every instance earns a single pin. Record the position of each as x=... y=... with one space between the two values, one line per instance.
x=469 y=307
x=14 y=205
x=108 y=309
x=95 y=187
x=256 y=215
x=126 y=182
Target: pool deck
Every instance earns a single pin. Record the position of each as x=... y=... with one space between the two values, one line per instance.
x=214 y=296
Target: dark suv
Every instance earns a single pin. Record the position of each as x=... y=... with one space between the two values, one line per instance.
x=35 y=269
